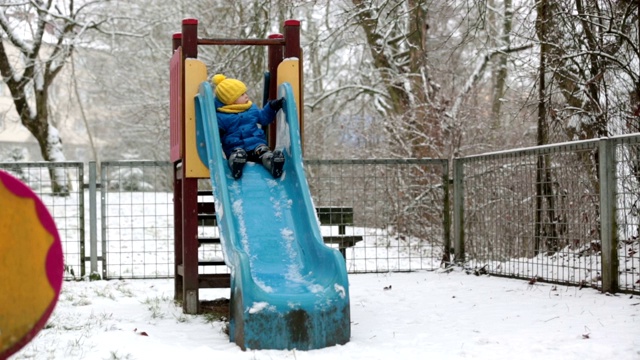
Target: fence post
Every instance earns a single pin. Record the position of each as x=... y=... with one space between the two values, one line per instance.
x=446 y=216
x=458 y=213
x=608 y=226
x=103 y=212
x=93 y=219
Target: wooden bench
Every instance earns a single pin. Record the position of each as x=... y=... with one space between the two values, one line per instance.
x=341 y=217
x=328 y=216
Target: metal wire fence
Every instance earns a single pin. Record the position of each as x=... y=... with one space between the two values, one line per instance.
x=386 y=209
x=400 y=209
x=67 y=206
x=533 y=213
x=564 y=213
x=538 y=213
x=627 y=206
x=137 y=219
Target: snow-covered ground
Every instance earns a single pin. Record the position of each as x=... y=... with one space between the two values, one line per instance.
x=419 y=315
x=424 y=314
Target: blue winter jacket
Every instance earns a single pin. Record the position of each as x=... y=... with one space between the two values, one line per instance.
x=241 y=130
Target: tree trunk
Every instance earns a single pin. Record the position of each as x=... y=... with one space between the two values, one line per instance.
x=501 y=73
x=398 y=49
x=30 y=79
x=49 y=141
x=541 y=29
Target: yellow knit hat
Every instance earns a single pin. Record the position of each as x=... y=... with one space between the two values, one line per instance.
x=228 y=90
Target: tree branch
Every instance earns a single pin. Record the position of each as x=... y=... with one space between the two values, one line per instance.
x=13 y=38
x=476 y=75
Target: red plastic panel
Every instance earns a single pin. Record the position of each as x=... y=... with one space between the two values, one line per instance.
x=176 y=107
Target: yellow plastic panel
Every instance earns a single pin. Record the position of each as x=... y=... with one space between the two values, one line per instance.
x=195 y=72
x=289 y=71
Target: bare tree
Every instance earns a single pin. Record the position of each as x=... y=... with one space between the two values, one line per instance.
x=44 y=35
x=431 y=62
x=503 y=36
x=588 y=78
x=133 y=79
x=396 y=35
x=593 y=65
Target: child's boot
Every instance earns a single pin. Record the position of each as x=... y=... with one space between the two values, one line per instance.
x=237 y=160
x=277 y=163
x=273 y=162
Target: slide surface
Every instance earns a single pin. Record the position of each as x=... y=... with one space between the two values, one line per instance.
x=288 y=289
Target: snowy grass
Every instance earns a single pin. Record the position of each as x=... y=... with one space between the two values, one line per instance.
x=441 y=314
x=419 y=315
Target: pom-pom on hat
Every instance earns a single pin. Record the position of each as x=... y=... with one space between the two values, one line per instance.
x=228 y=90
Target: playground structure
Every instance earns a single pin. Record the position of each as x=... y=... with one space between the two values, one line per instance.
x=287 y=288
x=31 y=265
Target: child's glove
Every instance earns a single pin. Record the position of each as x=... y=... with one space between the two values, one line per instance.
x=276 y=104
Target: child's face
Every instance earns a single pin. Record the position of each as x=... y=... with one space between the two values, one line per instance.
x=243 y=99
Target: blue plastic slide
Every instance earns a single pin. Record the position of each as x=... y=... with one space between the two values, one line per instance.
x=288 y=289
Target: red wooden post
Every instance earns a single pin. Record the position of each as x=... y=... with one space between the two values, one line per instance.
x=292 y=50
x=292 y=39
x=190 y=288
x=274 y=59
x=190 y=38
x=191 y=300
x=176 y=41
x=178 y=282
